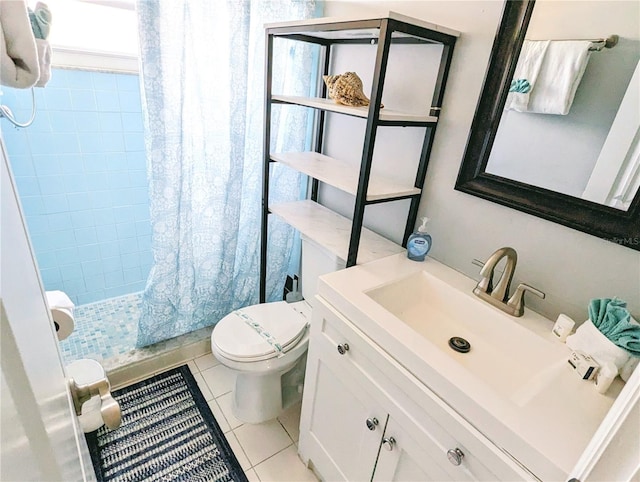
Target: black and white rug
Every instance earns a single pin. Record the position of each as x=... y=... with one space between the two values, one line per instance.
x=167 y=433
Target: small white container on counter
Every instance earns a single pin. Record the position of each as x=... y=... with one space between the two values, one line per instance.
x=563 y=327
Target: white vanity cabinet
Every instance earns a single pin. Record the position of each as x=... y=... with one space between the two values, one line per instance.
x=350 y=384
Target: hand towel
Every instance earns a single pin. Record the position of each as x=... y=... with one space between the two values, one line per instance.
x=19 y=65
x=591 y=341
x=606 y=313
x=42 y=16
x=526 y=73
x=614 y=321
x=560 y=74
x=44 y=60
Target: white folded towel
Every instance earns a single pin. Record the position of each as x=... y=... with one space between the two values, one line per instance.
x=19 y=66
x=589 y=340
x=559 y=77
x=528 y=68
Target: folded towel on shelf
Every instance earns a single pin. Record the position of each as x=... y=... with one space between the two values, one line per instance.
x=526 y=74
x=44 y=59
x=560 y=74
x=19 y=66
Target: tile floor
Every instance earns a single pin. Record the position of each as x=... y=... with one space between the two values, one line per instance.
x=267 y=452
x=103 y=329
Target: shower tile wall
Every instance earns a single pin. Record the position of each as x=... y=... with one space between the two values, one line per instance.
x=81 y=176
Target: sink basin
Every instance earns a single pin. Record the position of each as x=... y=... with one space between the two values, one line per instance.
x=512 y=360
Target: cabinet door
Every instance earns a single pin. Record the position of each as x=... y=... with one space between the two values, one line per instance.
x=404 y=458
x=334 y=433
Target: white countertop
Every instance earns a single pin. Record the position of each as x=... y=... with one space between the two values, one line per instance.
x=546 y=432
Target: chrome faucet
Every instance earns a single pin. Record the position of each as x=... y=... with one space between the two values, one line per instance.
x=498 y=295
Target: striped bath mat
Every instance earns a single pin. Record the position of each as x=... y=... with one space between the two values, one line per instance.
x=168 y=433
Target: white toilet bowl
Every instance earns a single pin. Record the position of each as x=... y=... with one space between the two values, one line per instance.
x=267 y=380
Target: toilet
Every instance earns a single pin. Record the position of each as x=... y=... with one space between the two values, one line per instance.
x=266 y=344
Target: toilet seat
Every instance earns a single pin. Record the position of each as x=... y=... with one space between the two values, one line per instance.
x=238 y=341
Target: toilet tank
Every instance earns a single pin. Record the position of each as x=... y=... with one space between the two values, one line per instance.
x=316 y=261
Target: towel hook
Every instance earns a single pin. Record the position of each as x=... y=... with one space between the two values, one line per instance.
x=6 y=112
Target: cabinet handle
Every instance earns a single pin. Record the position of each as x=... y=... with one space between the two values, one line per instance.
x=455 y=456
x=389 y=443
x=372 y=423
x=343 y=348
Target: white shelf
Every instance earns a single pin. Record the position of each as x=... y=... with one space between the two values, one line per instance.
x=330 y=33
x=342 y=175
x=329 y=105
x=333 y=231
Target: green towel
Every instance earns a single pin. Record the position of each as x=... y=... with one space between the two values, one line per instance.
x=613 y=319
x=40 y=20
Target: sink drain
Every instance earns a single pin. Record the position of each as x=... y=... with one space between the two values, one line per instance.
x=459 y=344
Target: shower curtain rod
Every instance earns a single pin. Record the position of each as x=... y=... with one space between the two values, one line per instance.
x=599 y=43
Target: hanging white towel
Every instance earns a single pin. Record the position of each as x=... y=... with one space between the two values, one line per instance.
x=19 y=65
x=559 y=77
x=528 y=69
x=44 y=59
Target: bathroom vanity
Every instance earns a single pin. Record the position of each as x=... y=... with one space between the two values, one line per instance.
x=387 y=398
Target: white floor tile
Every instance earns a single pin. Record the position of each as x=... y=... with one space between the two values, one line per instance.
x=193 y=367
x=225 y=401
x=290 y=420
x=219 y=416
x=238 y=451
x=285 y=466
x=261 y=441
x=203 y=387
x=252 y=476
x=206 y=361
x=219 y=379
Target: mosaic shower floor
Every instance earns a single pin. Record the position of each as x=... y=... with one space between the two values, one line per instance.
x=104 y=329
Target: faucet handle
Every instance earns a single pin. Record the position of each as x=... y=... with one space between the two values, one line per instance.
x=517 y=300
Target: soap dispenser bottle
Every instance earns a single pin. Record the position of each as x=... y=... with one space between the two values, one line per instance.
x=419 y=243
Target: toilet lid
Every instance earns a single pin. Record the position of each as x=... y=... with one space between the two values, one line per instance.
x=239 y=341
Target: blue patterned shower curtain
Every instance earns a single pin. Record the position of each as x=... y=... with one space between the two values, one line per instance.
x=202 y=67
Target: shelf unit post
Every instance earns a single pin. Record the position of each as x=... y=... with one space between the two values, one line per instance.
x=382 y=56
x=265 y=166
x=425 y=154
x=325 y=60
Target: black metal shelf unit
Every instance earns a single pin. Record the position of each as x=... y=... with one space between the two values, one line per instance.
x=394 y=28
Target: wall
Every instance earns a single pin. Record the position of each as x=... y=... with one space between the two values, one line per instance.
x=559 y=152
x=570 y=266
x=80 y=169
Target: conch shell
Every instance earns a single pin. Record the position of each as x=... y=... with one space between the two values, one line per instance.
x=346 y=89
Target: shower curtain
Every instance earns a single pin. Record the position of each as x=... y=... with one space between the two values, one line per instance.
x=202 y=69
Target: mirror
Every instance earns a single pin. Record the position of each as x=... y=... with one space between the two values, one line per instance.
x=580 y=169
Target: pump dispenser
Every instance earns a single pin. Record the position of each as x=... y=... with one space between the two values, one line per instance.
x=419 y=243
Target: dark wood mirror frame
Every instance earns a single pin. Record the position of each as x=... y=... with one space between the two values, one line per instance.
x=614 y=225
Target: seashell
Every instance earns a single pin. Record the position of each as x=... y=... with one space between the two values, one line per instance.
x=346 y=89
